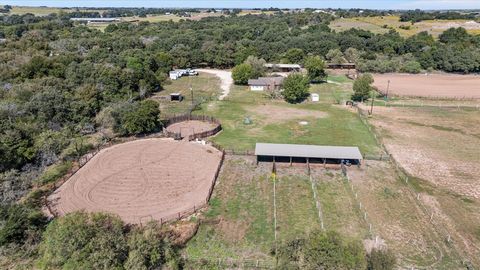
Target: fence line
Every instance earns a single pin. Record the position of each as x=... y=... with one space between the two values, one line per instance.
x=189 y=117
x=402 y=173
x=230 y=263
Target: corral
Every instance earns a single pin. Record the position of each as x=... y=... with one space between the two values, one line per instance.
x=143 y=180
x=432 y=85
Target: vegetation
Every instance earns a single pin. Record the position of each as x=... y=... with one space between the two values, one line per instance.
x=315 y=69
x=362 y=87
x=419 y=15
x=295 y=88
x=100 y=241
x=322 y=251
x=242 y=73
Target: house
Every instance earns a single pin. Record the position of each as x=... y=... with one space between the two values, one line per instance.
x=283 y=67
x=265 y=83
x=341 y=66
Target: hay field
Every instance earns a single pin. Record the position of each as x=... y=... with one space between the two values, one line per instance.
x=432 y=85
x=381 y=25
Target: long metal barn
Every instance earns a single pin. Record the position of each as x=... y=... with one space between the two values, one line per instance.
x=300 y=153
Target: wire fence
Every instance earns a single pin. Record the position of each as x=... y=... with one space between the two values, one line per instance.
x=437 y=224
x=229 y=263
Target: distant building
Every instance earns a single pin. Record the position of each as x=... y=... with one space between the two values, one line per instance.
x=283 y=67
x=265 y=83
x=95 y=20
x=341 y=66
x=315 y=97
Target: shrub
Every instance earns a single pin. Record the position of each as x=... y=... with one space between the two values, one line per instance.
x=19 y=222
x=380 y=259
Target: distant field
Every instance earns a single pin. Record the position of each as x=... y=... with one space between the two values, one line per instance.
x=43 y=11
x=432 y=85
x=380 y=25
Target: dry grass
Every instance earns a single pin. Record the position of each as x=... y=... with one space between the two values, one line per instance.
x=381 y=25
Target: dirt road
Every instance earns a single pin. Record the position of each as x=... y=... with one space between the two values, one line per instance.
x=226 y=78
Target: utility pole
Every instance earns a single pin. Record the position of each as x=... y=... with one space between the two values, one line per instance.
x=388 y=87
x=191 y=92
x=373 y=99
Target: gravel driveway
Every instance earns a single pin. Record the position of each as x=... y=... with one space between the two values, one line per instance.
x=226 y=78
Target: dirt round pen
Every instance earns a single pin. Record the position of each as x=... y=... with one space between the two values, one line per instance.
x=143 y=180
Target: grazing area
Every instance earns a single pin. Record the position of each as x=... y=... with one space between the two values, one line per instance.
x=144 y=180
x=432 y=85
x=276 y=121
x=383 y=24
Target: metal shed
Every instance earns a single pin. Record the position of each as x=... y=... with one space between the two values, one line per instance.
x=307 y=153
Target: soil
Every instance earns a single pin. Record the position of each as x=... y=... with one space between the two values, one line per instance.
x=431 y=85
x=187 y=128
x=143 y=180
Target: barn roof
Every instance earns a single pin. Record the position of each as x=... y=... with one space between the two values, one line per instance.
x=294 y=66
x=311 y=151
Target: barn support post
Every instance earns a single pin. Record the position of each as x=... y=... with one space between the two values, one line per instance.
x=324 y=163
x=290 y=161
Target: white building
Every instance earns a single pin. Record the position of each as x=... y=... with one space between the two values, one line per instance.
x=265 y=83
x=315 y=97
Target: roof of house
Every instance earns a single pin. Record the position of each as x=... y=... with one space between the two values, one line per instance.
x=264 y=81
x=295 y=66
x=311 y=151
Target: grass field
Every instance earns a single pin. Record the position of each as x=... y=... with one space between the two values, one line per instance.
x=239 y=223
x=278 y=122
x=206 y=87
x=381 y=25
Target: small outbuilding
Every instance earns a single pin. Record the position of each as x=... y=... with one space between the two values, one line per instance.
x=176 y=97
x=300 y=153
x=315 y=97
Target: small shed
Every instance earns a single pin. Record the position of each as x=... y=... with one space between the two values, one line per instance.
x=315 y=97
x=176 y=97
x=174 y=75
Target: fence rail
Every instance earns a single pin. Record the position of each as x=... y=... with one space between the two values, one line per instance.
x=189 y=117
x=81 y=161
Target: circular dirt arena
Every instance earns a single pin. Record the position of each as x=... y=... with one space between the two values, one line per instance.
x=151 y=179
x=432 y=85
x=190 y=127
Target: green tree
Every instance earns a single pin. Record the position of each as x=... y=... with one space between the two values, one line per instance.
x=19 y=222
x=294 y=56
x=83 y=241
x=142 y=118
x=381 y=259
x=295 y=88
x=335 y=56
x=241 y=73
x=362 y=87
x=258 y=66
x=316 y=68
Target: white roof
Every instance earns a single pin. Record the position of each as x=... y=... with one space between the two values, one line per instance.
x=311 y=151
x=283 y=65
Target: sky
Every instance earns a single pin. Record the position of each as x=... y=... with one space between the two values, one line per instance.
x=371 y=4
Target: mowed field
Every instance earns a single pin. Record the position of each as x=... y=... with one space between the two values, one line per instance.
x=431 y=85
x=276 y=121
x=142 y=180
x=381 y=25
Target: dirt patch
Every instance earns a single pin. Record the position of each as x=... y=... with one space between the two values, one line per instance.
x=431 y=85
x=144 y=180
x=274 y=114
x=187 y=128
x=438 y=145
x=232 y=230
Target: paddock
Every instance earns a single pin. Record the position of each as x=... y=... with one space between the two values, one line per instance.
x=143 y=180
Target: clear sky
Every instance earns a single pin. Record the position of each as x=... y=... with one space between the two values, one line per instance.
x=372 y=4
